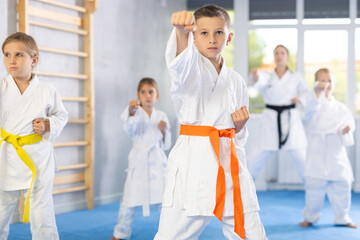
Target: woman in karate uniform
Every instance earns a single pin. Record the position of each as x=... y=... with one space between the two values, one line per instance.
x=281 y=126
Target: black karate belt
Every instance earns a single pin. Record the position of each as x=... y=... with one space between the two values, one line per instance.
x=279 y=110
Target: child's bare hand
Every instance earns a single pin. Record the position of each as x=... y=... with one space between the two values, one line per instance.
x=133 y=106
x=183 y=21
x=39 y=126
x=295 y=100
x=162 y=125
x=240 y=118
x=321 y=86
x=345 y=130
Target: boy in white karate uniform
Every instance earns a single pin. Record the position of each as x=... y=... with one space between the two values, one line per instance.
x=328 y=171
x=207 y=173
x=31 y=116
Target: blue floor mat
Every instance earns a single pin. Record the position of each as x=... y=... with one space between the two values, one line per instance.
x=280 y=213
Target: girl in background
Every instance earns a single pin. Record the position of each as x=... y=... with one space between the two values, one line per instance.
x=149 y=130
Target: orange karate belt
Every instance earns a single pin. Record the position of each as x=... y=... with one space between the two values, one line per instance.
x=215 y=134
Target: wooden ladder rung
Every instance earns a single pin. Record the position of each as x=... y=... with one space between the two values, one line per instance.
x=78 y=121
x=63 y=75
x=72 y=189
x=54 y=16
x=57 y=27
x=73 y=166
x=75 y=99
x=69 y=178
x=71 y=144
x=63 y=51
x=63 y=5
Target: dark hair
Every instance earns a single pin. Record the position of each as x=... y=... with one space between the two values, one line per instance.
x=149 y=81
x=29 y=42
x=280 y=45
x=212 y=10
x=321 y=70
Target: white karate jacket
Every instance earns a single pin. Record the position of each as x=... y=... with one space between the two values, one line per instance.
x=17 y=111
x=201 y=96
x=147 y=160
x=326 y=155
x=279 y=92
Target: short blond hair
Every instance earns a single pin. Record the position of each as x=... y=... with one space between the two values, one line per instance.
x=212 y=10
x=321 y=70
x=29 y=42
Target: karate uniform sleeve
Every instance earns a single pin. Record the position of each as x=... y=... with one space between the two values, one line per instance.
x=182 y=66
x=165 y=145
x=2 y=85
x=348 y=138
x=312 y=106
x=243 y=100
x=58 y=117
x=262 y=82
x=131 y=123
x=302 y=89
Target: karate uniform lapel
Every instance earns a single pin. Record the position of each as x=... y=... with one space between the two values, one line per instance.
x=216 y=101
x=278 y=85
x=23 y=109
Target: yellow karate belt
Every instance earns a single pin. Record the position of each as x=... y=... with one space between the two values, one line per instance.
x=17 y=143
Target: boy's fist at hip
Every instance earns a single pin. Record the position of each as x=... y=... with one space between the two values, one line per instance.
x=240 y=118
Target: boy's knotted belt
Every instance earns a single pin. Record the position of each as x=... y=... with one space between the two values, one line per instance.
x=17 y=143
x=279 y=110
x=215 y=134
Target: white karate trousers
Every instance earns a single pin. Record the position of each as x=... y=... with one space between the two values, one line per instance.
x=122 y=229
x=175 y=225
x=339 y=195
x=42 y=216
x=256 y=163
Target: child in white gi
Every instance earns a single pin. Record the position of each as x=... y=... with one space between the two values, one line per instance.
x=31 y=117
x=281 y=126
x=207 y=173
x=149 y=130
x=328 y=171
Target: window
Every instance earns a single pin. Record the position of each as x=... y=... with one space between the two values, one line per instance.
x=327 y=48
x=194 y=4
x=326 y=8
x=357 y=68
x=274 y=9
